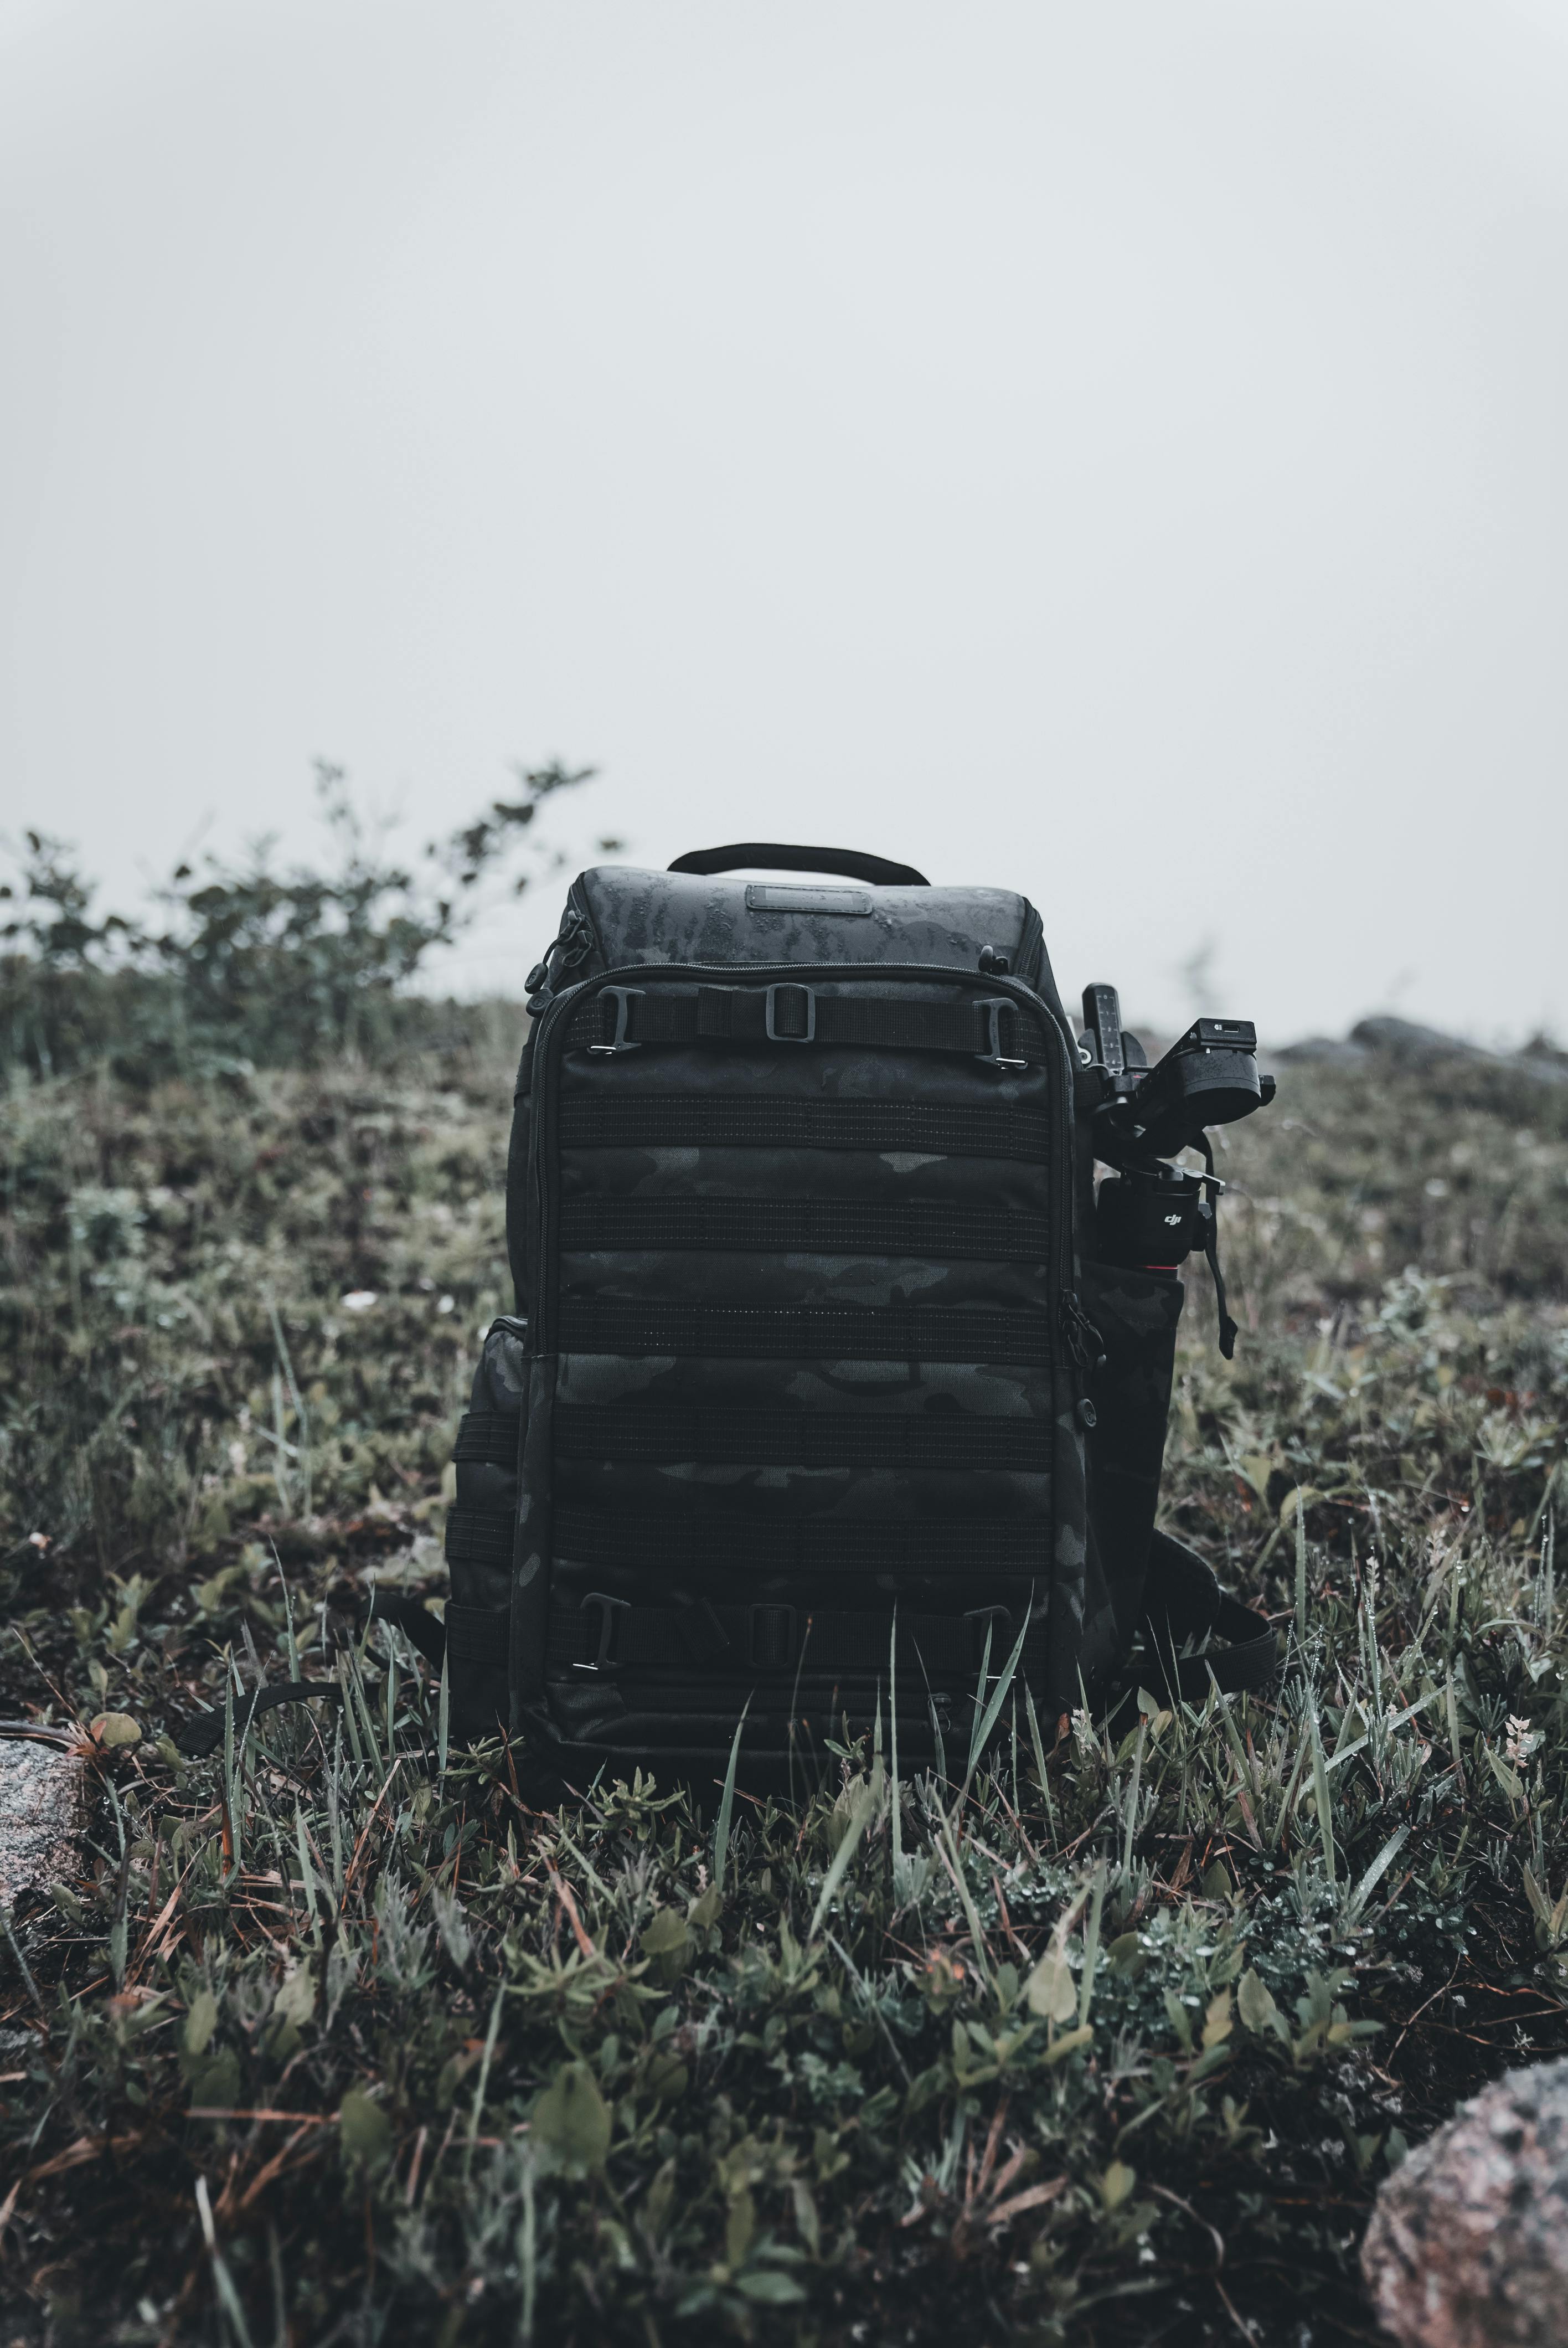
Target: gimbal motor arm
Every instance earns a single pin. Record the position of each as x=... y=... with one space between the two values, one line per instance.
x=1149 y=1212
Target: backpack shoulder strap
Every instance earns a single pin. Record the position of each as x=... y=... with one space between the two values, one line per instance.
x=1181 y=1602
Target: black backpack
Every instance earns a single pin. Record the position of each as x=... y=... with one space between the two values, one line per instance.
x=835 y=1380
x=821 y=1383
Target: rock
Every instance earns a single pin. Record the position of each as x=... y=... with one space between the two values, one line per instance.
x=1547 y=1067
x=1324 y=1051
x=1468 y=2246
x=43 y=1814
x=1413 y=1046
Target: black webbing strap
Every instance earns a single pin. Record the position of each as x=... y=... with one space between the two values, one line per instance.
x=490 y=1435
x=203 y=1733
x=476 y=1537
x=805 y=1227
x=620 y=1018
x=413 y=1618
x=1211 y=1227
x=478 y=1634
x=720 y=1545
x=680 y=1121
x=1182 y=1602
x=838 y=1333
x=798 y=1438
x=608 y=1635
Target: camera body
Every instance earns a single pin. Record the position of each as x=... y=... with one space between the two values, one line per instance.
x=1148 y=1212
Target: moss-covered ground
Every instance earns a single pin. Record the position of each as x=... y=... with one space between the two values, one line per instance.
x=1099 y=2041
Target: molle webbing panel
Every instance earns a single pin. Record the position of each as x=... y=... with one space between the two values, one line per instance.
x=671 y=1543
x=800 y=1239
x=866 y=1333
x=784 y=1438
x=803 y=1227
x=700 y=1122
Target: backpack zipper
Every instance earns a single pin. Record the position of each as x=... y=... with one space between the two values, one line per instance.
x=566 y=952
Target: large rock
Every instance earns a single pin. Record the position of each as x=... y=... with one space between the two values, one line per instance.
x=1409 y=1046
x=43 y=1815
x=1413 y=1046
x=1468 y=2247
x=1323 y=1052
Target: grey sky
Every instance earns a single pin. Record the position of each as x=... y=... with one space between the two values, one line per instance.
x=1116 y=450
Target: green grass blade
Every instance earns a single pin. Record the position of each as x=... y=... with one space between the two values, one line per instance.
x=1300 y=1575
x=1131 y=1820
x=955 y=1864
x=727 y=1803
x=1091 y=1946
x=1375 y=1872
x=1039 y=1744
x=484 y=2080
x=896 y=1820
x=1450 y=1702
x=294 y=1671
x=1324 y=1800
x=859 y=1820
x=527 y=2253
x=976 y=1738
x=987 y=1721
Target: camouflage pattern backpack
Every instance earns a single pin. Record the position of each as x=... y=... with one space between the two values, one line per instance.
x=822 y=1391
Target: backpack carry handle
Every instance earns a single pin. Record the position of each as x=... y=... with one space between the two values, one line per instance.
x=850 y=861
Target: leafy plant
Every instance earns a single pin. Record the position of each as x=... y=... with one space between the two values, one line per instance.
x=253 y=964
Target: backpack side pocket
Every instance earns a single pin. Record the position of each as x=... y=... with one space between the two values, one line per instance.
x=479 y=1535
x=1136 y=1313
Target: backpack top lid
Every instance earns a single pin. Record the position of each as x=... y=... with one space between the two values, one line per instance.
x=639 y=916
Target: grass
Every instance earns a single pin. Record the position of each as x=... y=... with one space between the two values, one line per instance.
x=1092 y=2041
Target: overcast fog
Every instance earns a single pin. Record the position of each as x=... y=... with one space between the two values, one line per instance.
x=1117 y=453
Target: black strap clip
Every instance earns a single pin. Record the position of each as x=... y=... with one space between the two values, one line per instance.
x=803 y=1034
x=604 y=1660
x=992 y=1008
x=623 y=997
x=774 y=1635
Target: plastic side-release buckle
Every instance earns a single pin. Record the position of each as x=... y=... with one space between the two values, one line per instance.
x=992 y=1007
x=805 y=1033
x=774 y=1633
x=604 y=1660
x=623 y=997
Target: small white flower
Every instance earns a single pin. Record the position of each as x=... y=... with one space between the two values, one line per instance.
x=445 y=1303
x=1522 y=1741
x=358 y=1300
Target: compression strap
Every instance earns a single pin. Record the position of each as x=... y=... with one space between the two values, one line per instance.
x=619 y=1019
x=605 y=1634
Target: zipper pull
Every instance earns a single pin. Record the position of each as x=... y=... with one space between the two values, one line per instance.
x=1081 y=1338
x=561 y=957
